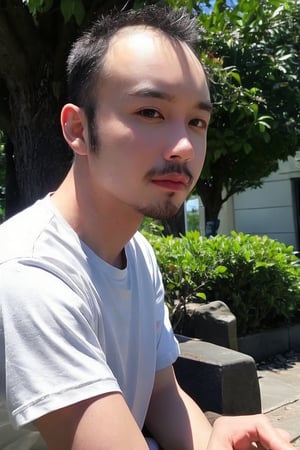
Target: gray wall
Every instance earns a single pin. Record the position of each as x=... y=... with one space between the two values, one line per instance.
x=270 y=210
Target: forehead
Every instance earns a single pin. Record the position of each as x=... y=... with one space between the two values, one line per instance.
x=141 y=54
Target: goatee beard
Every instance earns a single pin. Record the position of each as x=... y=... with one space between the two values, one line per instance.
x=162 y=211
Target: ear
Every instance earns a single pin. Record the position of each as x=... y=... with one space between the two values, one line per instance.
x=74 y=127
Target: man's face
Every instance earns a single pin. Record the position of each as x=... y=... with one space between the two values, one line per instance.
x=151 y=121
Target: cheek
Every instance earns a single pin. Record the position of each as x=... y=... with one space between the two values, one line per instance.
x=137 y=145
x=125 y=150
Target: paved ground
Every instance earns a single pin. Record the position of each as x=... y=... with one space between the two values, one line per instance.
x=279 y=381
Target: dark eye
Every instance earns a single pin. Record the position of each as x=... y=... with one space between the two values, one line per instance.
x=198 y=123
x=150 y=113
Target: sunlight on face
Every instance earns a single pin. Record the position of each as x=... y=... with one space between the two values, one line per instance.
x=152 y=118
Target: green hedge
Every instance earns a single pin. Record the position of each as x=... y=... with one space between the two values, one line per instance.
x=257 y=277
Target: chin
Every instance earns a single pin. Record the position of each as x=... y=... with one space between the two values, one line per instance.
x=160 y=212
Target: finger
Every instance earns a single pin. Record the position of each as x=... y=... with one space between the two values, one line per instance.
x=276 y=440
x=247 y=433
x=284 y=434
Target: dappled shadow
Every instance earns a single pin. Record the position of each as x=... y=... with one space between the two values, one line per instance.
x=279 y=362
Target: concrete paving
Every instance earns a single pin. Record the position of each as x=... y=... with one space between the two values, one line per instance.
x=279 y=381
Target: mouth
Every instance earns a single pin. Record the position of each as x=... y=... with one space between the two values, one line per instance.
x=172 y=182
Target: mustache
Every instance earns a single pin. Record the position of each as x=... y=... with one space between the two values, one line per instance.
x=171 y=168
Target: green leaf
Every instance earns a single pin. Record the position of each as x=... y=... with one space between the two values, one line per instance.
x=35 y=5
x=236 y=76
x=247 y=147
x=254 y=109
x=262 y=127
x=220 y=269
x=285 y=57
x=264 y=124
x=79 y=12
x=71 y=8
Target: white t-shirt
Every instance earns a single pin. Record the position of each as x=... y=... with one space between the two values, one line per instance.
x=73 y=326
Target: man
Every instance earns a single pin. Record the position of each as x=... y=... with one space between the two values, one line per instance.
x=86 y=344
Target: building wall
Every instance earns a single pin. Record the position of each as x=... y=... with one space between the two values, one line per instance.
x=270 y=209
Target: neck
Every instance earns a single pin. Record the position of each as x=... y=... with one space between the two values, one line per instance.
x=99 y=221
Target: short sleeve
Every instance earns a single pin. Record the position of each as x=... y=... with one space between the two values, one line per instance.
x=54 y=357
x=167 y=344
x=168 y=347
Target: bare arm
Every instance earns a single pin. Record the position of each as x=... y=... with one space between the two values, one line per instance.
x=99 y=423
x=173 y=418
x=177 y=423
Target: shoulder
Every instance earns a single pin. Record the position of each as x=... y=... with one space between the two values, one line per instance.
x=142 y=250
x=39 y=243
x=38 y=233
x=19 y=233
x=140 y=242
x=141 y=256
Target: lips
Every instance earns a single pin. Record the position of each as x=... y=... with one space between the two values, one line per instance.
x=173 y=182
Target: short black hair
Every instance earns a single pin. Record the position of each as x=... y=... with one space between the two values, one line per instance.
x=86 y=59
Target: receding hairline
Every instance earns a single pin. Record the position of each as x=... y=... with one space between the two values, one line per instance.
x=129 y=30
x=144 y=26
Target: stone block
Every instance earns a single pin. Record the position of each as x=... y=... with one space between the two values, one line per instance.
x=294 y=336
x=217 y=378
x=212 y=322
x=266 y=344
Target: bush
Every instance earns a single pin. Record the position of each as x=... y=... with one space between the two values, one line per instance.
x=257 y=277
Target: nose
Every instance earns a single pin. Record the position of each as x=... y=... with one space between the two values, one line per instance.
x=180 y=147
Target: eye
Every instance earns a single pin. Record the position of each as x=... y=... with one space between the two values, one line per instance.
x=150 y=113
x=198 y=123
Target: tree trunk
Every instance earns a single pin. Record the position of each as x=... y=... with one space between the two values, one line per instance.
x=210 y=192
x=176 y=225
x=12 y=195
x=41 y=158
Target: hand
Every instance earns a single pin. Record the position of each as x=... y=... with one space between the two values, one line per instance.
x=247 y=433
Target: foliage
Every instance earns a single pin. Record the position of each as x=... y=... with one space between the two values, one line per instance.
x=257 y=277
x=251 y=52
x=193 y=220
x=68 y=8
x=151 y=227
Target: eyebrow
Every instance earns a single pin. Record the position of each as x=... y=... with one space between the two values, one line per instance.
x=154 y=93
